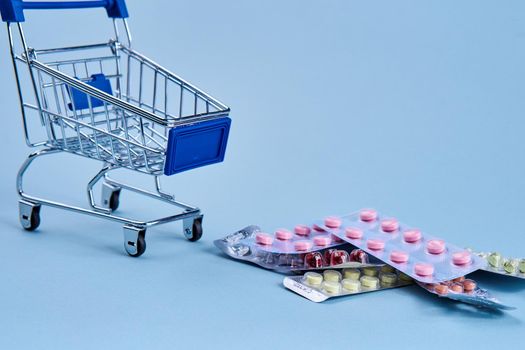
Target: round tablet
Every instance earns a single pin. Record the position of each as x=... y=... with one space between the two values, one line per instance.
x=368 y=215
x=322 y=240
x=441 y=289
x=353 y=232
x=302 y=230
x=351 y=285
x=332 y=221
x=352 y=274
x=494 y=259
x=398 y=256
x=332 y=275
x=263 y=238
x=283 y=234
x=375 y=244
x=469 y=285
x=302 y=245
x=436 y=246
x=388 y=278
x=387 y=268
x=389 y=225
x=313 y=278
x=370 y=271
x=456 y=287
x=422 y=269
x=459 y=279
x=318 y=228
x=369 y=282
x=412 y=236
x=461 y=258
x=332 y=287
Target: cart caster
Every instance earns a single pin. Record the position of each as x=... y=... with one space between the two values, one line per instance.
x=110 y=196
x=134 y=241
x=193 y=228
x=29 y=215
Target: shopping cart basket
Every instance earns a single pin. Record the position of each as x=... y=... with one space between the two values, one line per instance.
x=110 y=103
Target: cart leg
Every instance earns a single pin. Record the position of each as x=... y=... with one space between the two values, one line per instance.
x=110 y=196
x=29 y=214
x=134 y=240
x=192 y=228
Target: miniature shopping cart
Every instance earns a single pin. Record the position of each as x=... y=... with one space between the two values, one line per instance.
x=110 y=103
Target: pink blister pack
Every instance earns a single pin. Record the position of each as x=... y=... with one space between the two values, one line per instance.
x=301 y=239
x=423 y=257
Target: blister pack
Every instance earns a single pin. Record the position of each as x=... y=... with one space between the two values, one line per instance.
x=466 y=291
x=242 y=245
x=320 y=286
x=419 y=255
x=495 y=262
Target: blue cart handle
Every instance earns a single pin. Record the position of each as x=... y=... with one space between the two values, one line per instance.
x=13 y=10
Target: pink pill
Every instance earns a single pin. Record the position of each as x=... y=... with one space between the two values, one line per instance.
x=322 y=240
x=389 y=225
x=461 y=258
x=283 y=234
x=412 y=236
x=436 y=246
x=422 y=269
x=368 y=215
x=353 y=232
x=332 y=222
x=302 y=230
x=375 y=244
x=263 y=238
x=399 y=257
x=302 y=245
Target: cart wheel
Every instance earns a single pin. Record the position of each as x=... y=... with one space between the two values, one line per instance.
x=110 y=196
x=114 y=200
x=29 y=215
x=195 y=233
x=134 y=241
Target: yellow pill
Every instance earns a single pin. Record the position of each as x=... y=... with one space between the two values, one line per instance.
x=388 y=278
x=522 y=266
x=370 y=271
x=387 y=268
x=494 y=259
x=332 y=287
x=351 y=285
x=352 y=274
x=332 y=276
x=313 y=278
x=369 y=282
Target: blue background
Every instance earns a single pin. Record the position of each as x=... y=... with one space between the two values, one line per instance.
x=412 y=107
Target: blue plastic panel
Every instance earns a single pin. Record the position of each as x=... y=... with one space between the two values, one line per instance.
x=196 y=145
x=13 y=10
x=98 y=81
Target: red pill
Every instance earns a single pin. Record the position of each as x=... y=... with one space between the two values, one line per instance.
x=313 y=260
x=359 y=255
x=339 y=257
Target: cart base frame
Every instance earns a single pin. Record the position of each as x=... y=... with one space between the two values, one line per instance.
x=134 y=230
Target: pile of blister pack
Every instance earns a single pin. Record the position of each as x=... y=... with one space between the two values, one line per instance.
x=364 y=252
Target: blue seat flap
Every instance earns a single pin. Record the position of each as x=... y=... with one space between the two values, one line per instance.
x=196 y=145
x=80 y=99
